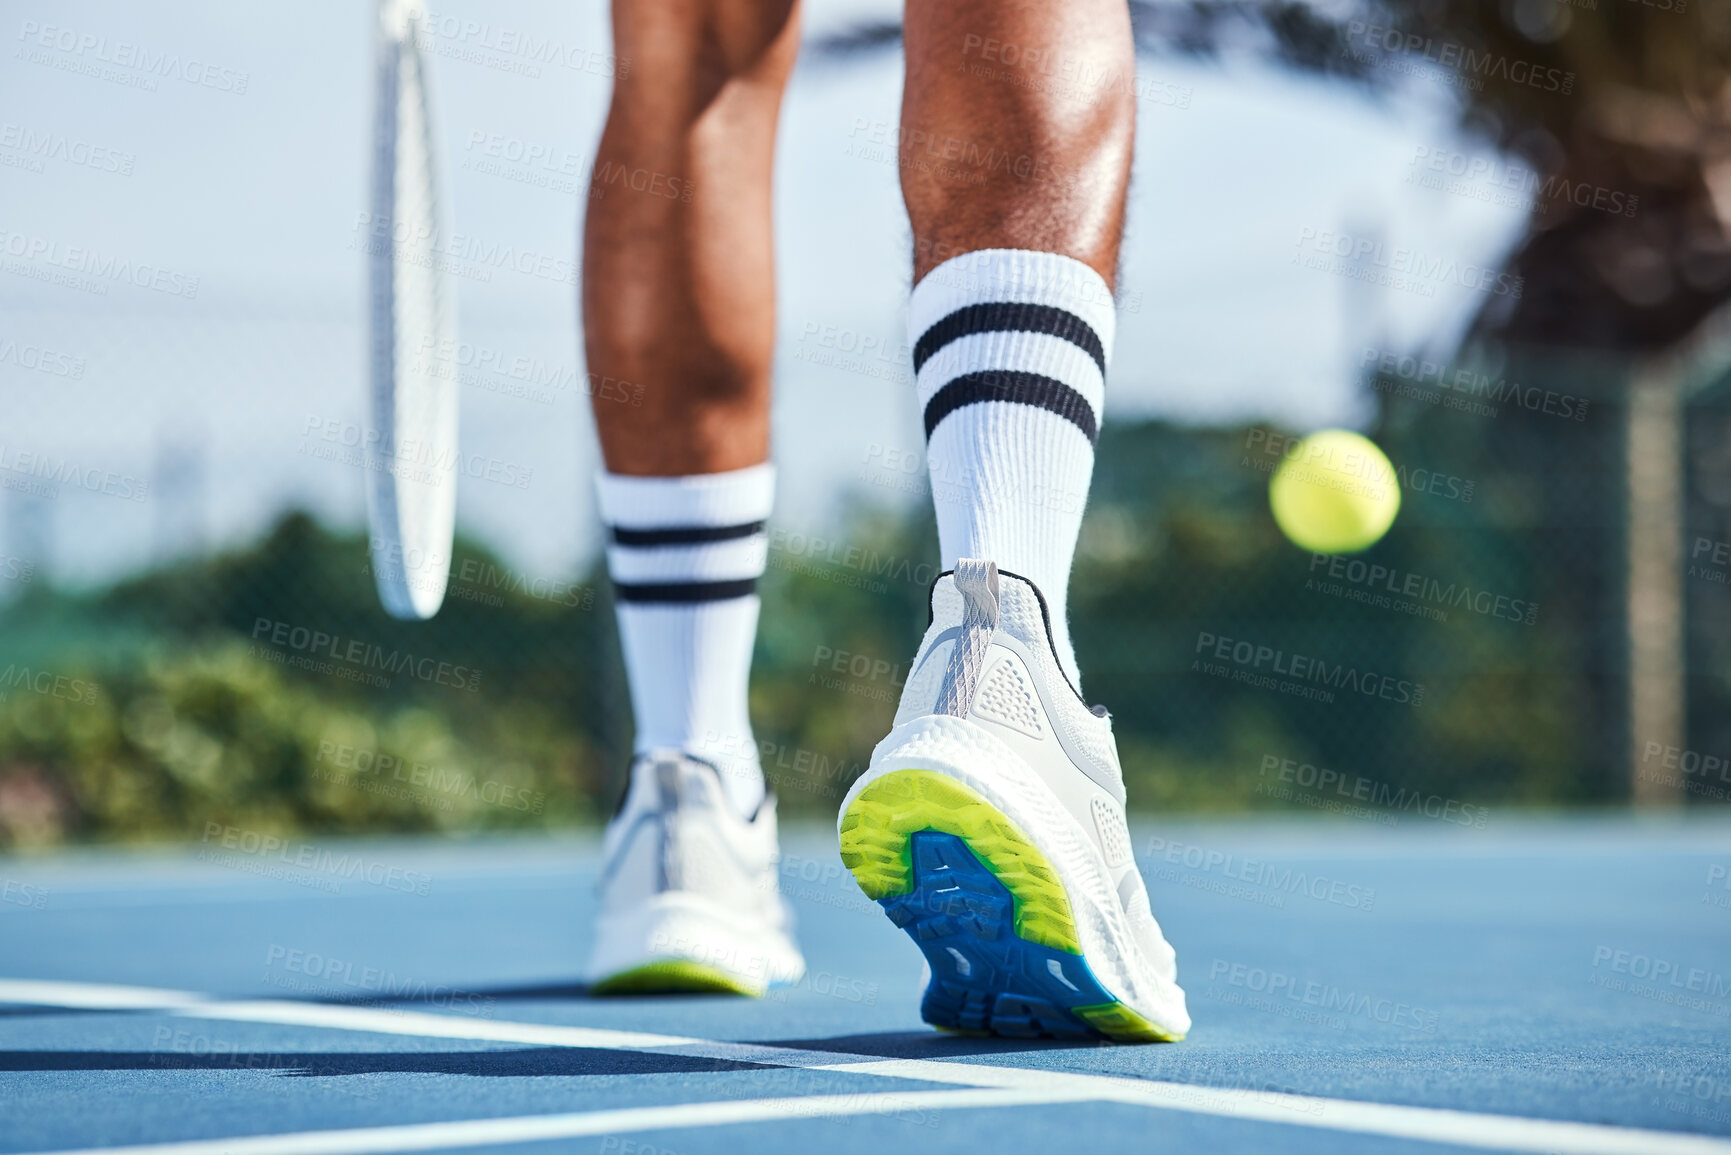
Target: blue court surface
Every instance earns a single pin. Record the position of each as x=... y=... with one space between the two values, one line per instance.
x=1537 y=985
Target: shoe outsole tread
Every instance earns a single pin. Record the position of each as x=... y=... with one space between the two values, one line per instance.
x=986 y=908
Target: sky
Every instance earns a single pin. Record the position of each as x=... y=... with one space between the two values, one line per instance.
x=220 y=392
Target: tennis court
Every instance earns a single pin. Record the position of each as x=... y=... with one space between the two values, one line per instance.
x=1535 y=986
x=340 y=569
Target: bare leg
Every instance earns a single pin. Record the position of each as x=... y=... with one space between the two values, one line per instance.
x=679 y=298
x=1015 y=177
x=1064 y=112
x=1018 y=127
x=678 y=279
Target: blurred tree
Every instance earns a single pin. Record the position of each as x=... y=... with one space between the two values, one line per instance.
x=1620 y=113
x=1599 y=97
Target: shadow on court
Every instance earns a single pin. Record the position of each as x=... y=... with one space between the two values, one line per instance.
x=928 y=1044
x=534 y=1062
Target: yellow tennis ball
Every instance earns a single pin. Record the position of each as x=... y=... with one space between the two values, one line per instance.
x=1335 y=492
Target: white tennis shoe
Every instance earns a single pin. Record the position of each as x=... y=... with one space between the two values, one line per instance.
x=689 y=896
x=990 y=827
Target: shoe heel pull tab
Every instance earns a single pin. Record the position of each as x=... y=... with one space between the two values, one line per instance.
x=667 y=791
x=667 y=785
x=977 y=582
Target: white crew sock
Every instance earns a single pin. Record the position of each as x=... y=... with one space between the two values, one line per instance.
x=685 y=554
x=1010 y=353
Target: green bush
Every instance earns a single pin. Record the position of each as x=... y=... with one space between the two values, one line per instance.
x=185 y=696
x=165 y=742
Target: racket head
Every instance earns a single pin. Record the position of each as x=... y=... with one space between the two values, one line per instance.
x=412 y=461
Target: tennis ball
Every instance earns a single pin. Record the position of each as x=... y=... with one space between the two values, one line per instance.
x=1334 y=493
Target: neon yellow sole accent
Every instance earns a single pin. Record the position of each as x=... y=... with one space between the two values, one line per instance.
x=672 y=976
x=1119 y=1022
x=875 y=835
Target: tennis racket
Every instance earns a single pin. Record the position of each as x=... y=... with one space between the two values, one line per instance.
x=412 y=463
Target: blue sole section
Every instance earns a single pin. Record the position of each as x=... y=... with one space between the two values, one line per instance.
x=984 y=977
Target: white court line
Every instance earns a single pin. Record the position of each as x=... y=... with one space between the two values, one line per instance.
x=389 y=1021
x=1016 y=1084
x=1437 y=1125
x=96 y=996
x=538 y=1128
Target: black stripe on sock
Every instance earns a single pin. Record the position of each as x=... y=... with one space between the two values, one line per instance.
x=1010 y=316
x=684 y=591
x=684 y=534
x=1018 y=388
